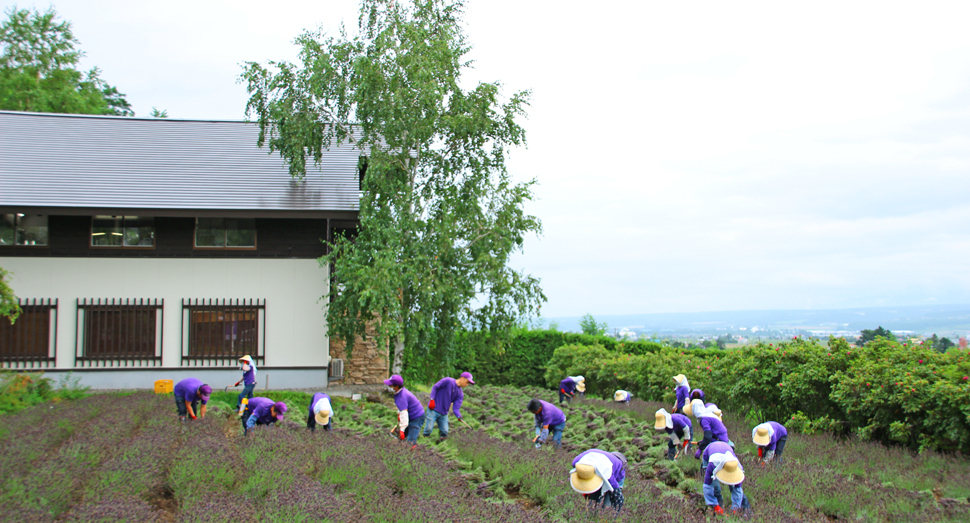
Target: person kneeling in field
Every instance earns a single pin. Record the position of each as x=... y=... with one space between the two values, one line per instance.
x=598 y=475
x=320 y=412
x=262 y=411
x=723 y=465
x=682 y=391
x=622 y=396
x=410 y=415
x=770 y=438
x=678 y=427
x=444 y=394
x=548 y=418
x=188 y=393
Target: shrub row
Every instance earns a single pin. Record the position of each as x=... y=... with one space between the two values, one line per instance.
x=885 y=391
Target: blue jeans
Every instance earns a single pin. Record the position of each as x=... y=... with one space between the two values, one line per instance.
x=713 y=491
x=435 y=417
x=556 y=431
x=247 y=392
x=414 y=428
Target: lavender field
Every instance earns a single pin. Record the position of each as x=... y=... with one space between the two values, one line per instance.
x=114 y=457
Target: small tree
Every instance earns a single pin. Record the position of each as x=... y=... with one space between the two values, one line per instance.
x=439 y=214
x=589 y=326
x=8 y=301
x=871 y=334
x=38 y=69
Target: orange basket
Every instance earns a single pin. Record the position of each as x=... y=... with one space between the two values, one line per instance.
x=164 y=386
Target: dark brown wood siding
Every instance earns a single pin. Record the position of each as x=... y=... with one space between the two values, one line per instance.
x=70 y=236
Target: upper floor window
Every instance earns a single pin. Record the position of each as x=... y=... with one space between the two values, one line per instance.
x=23 y=229
x=123 y=231
x=225 y=233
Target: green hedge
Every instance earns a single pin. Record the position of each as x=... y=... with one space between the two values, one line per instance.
x=885 y=391
x=520 y=359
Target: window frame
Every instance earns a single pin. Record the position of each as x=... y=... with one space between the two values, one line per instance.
x=44 y=306
x=91 y=244
x=82 y=339
x=195 y=237
x=190 y=305
x=17 y=217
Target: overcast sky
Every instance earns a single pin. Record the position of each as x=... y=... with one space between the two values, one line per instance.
x=691 y=156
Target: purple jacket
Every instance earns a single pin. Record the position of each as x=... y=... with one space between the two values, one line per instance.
x=260 y=407
x=249 y=376
x=188 y=389
x=619 y=471
x=716 y=427
x=567 y=385
x=779 y=432
x=317 y=397
x=405 y=400
x=445 y=393
x=680 y=422
x=549 y=415
x=682 y=393
x=718 y=447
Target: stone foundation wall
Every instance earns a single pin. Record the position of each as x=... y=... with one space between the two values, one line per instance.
x=369 y=365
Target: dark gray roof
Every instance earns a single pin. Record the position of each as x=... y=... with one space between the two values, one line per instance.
x=75 y=161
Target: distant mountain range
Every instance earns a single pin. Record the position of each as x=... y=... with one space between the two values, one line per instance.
x=945 y=320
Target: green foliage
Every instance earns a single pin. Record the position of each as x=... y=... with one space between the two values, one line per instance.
x=439 y=214
x=871 y=334
x=38 y=69
x=159 y=114
x=885 y=391
x=21 y=390
x=9 y=307
x=589 y=326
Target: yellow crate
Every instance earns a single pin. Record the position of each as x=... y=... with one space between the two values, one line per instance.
x=164 y=386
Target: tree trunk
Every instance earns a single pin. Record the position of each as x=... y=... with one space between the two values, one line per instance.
x=398 y=355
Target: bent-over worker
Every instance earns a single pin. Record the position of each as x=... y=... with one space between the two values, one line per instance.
x=622 y=396
x=708 y=417
x=682 y=391
x=262 y=411
x=188 y=393
x=567 y=389
x=410 y=413
x=548 y=419
x=770 y=438
x=678 y=427
x=599 y=476
x=724 y=466
x=320 y=412
x=444 y=394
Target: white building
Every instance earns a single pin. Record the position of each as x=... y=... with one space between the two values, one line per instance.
x=146 y=249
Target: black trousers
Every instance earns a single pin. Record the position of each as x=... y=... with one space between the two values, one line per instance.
x=311 y=421
x=180 y=405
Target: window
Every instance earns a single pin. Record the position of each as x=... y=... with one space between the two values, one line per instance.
x=28 y=342
x=123 y=231
x=217 y=233
x=23 y=229
x=223 y=329
x=119 y=329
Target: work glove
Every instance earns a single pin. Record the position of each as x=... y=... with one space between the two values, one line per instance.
x=718 y=510
x=760 y=451
x=192 y=416
x=431 y=405
x=401 y=434
x=237 y=383
x=697 y=455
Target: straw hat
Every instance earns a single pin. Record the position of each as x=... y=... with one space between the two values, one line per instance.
x=717 y=412
x=731 y=473
x=322 y=417
x=581 y=387
x=688 y=409
x=584 y=480
x=618 y=396
x=680 y=378
x=761 y=435
x=661 y=421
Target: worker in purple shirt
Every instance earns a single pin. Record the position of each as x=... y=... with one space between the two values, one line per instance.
x=320 y=413
x=410 y=413
x=548 y=419
x=678 y=427
x=708 y=416
x=444 y=394
x=682 y=391
x=262 y=411
x=248 y=366
x=599 y=476
x=188 y=393
x=567 y=389
x=696 y=394
x=770 y=438
x=724 y=466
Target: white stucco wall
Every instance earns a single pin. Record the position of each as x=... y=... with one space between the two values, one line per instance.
x=296 y=334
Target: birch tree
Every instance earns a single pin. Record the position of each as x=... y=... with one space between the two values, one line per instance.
x=440 y=215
